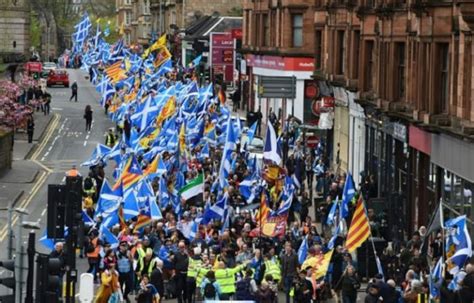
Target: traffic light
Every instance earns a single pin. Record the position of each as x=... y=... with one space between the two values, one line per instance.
x=56 y=211
x=48 y=282
x=9 y=282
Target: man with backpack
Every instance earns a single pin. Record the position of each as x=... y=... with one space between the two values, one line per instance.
x=246 y=287
x=124 y=268
x=210 y=288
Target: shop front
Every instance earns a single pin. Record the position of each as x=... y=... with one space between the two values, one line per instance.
x=273 y=66
x=452 y=160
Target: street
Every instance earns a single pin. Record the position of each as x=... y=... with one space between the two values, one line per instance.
x=65 y=143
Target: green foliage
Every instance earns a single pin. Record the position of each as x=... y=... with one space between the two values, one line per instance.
x=35 y=31
x=236 y=11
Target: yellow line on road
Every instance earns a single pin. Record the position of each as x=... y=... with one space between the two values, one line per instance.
x=49 y=132
x=39 y=184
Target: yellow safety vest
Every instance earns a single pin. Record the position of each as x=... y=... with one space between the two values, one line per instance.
x=226 y=278
x=271 y=268
x=193 y=267
x=151 y=266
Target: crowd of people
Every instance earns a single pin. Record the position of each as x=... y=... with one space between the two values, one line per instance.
x=199 y=216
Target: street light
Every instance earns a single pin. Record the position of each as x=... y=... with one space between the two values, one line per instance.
x=21 y=212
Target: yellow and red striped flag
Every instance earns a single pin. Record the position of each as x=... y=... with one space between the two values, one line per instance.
x=131 y=174
x=360 y=228
x=115 y=71
x=263 y=212
x=221 y=96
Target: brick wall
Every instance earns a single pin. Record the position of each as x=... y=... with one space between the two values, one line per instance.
x=6 y=150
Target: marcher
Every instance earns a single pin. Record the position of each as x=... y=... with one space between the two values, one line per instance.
x=93 y=257
x=110 y=138
x=210 y=288
x=30 y=128
x=74 y=90
x=88 y=117
x=110 y=286
x=349 y=285
x=46 y=103
x=124 y=268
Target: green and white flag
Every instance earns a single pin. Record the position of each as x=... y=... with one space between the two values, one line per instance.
x=193 y=188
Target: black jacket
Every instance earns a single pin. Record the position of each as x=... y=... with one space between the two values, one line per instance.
x=349 y=286
x=289 y=264
x=181 y=262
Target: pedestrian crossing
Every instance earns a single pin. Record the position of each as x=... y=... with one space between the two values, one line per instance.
x=58 y=166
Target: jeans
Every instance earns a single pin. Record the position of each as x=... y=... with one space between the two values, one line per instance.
x=287 y=285
x=125 y=279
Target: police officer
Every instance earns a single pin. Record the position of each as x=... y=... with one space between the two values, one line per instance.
x=110 y=138
x=194 y=265
x=73 y=172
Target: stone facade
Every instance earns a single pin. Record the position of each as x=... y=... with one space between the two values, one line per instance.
x=171 y=11
x=14 y=27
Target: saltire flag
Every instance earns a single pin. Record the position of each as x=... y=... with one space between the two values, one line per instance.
x=359 y=231
x=193 y=188
x=303 y=250
x=229 y=147
x=347 y=195
x=130 y=207
x=332 y=212
x=245 y=187
x=131 y=174
x=112 y=219
x=251 y=133
x=271 y=151
x=216 y=211
x=109 y=237
x=155 y=211
x=436 y=279
x=100 y=152
x=205 y=151
x=458 y=244
x=49 y=243
x=88 y=221
x=146 y=114
x=109 y=199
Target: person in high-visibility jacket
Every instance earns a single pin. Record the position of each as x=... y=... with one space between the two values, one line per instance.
x=110 y=138
x=226 y=279
x=146 y=264
x=272 y=267
x=195 y=263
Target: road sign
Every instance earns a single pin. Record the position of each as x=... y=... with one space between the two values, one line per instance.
x=277 y=87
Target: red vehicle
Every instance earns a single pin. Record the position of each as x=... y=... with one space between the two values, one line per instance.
x=58 y=77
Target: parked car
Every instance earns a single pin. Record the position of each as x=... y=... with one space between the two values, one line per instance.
x=47 y=67
x=58 y=77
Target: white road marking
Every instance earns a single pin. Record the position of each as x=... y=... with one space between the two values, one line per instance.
x=85 y=143
x=63 y=180
x=87 y=137
x=43 y=212
x=57 y=108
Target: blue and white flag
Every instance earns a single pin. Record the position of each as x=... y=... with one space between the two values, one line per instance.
x=458 y=244
x=109 y=237
x=229 y=147
x=88 y=221
x=303 y=250
x=347 y=194
x=251 y=132
x=100 y=152
x=271 y=150
x=155 y=210
x=436 y=279
x=216 y=211
x=130 y=205
x=109 y=199
x=332 y=212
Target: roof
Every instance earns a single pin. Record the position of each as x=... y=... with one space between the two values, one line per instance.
x=204 y=26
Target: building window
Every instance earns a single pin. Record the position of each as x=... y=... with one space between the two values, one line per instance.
x=341 y=49
x=128 y=18
x=443 y=63
x=355 y=55
x=266 y=30
x=297 y=30
x=400 y=55
x=369 y=66
x=127 y=2
x=319 y=49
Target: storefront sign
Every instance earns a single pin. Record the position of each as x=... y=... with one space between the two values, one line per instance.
x=237 y=33
x=222 y=55
x=454 y=155
x=420 y=140
x=341 y=97
x=400 y=132
x=281 y=63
